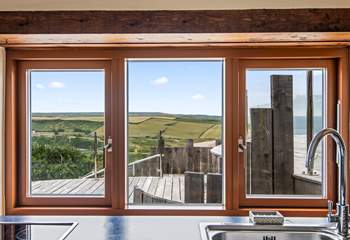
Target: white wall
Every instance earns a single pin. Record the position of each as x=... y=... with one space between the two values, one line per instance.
x=13 y=5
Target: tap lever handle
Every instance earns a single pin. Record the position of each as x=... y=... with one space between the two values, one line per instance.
x=330 y=207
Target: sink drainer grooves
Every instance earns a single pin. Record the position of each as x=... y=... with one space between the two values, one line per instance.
x=266 y=237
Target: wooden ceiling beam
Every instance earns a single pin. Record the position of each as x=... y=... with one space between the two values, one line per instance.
x=200 y=21
x=270 y=27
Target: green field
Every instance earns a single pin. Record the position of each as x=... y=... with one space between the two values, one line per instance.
x=63 y=144
x=143 y=135
x=212 y=132
x=77 y=130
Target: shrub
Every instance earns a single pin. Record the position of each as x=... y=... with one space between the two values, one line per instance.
x=53 y=161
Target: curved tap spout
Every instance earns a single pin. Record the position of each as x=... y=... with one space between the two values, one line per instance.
x=341 y=161
x=342 y=208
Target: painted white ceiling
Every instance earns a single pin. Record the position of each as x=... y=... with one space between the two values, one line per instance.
x=22 y=5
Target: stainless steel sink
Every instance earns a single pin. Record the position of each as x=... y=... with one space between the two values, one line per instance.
x=225 y=231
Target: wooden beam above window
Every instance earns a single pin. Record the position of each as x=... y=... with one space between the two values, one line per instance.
x=172 y=28
x=200 y=21
x=179 y=39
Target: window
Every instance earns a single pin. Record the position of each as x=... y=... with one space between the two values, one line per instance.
x=175 y=147
x=66 y=155
x=284 y=108
x=286 y=104
x=64 y=127
x=175 y=131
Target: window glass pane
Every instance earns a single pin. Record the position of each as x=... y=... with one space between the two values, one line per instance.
x=284 y=109
x=175 y=153
x=66 y=132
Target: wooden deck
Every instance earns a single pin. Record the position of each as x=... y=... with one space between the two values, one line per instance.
x=170 y=187
x=89 y=186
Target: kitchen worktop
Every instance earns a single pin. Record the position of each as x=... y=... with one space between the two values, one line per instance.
x=142 y=227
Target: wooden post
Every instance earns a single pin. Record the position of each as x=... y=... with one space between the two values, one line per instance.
x=214 y=188
x=165 y=160
x=196 y=160
x=138 y=195
x=283 y=142
x=309 y=109
x=190 y=157
x=95 y=154
x=147 y=199
x=160 y=150
x=203 y=159
x=194 y=187
x=261 y=162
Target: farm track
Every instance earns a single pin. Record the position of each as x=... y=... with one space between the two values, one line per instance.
x=211 y=127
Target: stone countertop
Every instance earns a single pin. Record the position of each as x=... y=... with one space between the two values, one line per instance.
x=141 y=227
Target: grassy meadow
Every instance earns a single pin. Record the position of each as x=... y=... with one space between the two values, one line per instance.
x=62 y=144
x=77 y=130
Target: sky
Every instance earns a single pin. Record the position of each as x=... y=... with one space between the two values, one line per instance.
x=182 y=87
x=67 y=91
x=178 y=87
x=258 y=85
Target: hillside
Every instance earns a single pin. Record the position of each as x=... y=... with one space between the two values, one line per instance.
x=143 y=130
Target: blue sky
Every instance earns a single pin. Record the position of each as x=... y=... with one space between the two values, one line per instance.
x=185 y=87
x=258 y=85
x=67 y=91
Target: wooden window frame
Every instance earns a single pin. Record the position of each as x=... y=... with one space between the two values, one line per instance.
x=330 y=100
x=23 y=136
x=116 y=57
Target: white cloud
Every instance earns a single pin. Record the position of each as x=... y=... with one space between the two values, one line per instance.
x=160 y=81
x=56 y=85
x=39 y=86
x=198 y=96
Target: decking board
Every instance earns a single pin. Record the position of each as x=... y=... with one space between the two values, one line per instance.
x=170 y=187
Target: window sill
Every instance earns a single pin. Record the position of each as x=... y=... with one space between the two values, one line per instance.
x=177 y=207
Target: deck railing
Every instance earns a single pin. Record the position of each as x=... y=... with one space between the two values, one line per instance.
x=149 y=166
x=93 y=174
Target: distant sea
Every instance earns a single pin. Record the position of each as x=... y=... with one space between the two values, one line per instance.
x=300 y=124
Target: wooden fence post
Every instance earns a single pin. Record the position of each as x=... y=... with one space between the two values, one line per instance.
x=160 y=150
x=194 y=187
x=214 y=188
x=95 y=154
x=212 y=166
x=283 y=142
x=190 y=155
x=309 y=108
x=203 y=159
x=166 y=160
x=138 y=198
x=261 y=162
